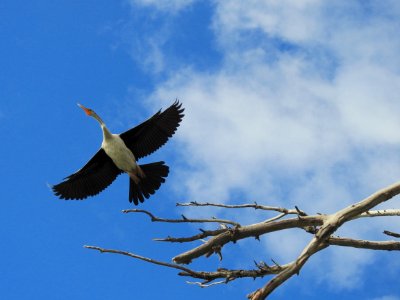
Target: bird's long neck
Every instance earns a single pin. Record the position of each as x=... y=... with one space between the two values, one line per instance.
x=106 y=133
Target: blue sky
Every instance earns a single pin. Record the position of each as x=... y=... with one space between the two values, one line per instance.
x=287 y=103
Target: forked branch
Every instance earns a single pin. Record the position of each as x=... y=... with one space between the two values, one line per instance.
x=320 y=226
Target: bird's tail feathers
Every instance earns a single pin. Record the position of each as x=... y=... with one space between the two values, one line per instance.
x=155 y=174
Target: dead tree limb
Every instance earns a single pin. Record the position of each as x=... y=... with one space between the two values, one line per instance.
x=254 y=230
x=255 y=206
x=183 y=220
x=320 y=226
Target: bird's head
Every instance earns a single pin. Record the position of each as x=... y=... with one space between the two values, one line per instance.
x=91 y=113
x=88 y=111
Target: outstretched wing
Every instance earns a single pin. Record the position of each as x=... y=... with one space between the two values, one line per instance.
x=98 y=173
x=147 y=137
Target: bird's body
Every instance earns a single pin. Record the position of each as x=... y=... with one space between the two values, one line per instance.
x=121 y=156
x=119 y=153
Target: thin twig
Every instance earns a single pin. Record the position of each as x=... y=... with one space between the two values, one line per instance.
x=205 y=285
x=200 y=236
x=150 y=260
x=365 y=244
x=379 y=213
x=280 y=216
x=227 y=274
x=183 y=220
x=393 y=234
x=255 y=206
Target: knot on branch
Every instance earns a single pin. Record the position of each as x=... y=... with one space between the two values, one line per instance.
x=217 y=250
x=233 y=233
x=300 y=212
x=262 y=266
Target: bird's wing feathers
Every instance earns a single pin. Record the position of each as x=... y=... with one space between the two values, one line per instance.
x=97 y=174
x=100 y=171
x=147 y=137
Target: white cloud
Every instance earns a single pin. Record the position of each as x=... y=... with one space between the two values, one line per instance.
x=345 y=268
x=256 y=118
x=303 y=111
x=149 y=55
x=171 y=6
x=147 y=49
x=274 y=18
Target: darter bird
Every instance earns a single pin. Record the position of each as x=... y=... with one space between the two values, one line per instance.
x=119 y=154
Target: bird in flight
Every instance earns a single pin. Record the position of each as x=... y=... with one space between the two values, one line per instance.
x=119 y=154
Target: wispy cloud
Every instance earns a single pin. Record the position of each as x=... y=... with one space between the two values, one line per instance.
x=147 y=52
x=345 y=268
x=270 y=111
x=164 y=36
x=172 y=6
x=304 y=109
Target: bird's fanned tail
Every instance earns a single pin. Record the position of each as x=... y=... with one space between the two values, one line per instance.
x=155 y=174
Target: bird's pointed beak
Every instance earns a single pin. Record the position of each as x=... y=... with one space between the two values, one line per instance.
x=87 y=111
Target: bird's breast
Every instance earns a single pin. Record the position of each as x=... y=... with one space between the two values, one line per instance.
x=122 y=157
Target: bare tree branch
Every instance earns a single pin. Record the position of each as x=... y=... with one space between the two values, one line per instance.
x=277 y=217
x=379 y=213
x=202 y=235
x=254 y=230
x=183 y=220
x=364 y=244
x=150 y=260
x=393 y=234
x=208 y=233
x=229 y=275
x=205 y=285
x=322 y=228
x=330 y=225
x=255 y=206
